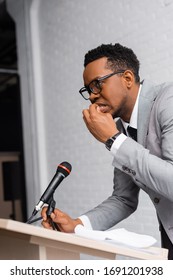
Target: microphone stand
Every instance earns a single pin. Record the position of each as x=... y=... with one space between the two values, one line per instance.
x=51 y=206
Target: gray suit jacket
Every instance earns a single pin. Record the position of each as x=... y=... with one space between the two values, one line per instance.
x=146 y=164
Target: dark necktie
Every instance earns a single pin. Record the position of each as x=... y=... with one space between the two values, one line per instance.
x=132 y=132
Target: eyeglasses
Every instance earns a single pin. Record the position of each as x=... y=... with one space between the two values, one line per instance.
x=95 y=86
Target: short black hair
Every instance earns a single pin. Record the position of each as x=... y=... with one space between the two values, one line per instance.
x=118 y=57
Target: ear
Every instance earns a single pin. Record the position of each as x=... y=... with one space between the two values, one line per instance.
x=129 y=78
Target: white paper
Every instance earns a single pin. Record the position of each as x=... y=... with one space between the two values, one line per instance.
x=120 y=235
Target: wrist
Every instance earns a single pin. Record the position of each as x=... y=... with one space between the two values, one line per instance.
x=109 y=142
x=77 y=222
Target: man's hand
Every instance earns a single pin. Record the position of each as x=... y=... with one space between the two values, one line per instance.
x=101 y=125
x=64 y=222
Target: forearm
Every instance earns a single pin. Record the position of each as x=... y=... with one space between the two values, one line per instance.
x=145 y=168
x=108 y=213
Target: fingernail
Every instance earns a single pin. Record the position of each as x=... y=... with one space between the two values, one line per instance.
x=52 y=216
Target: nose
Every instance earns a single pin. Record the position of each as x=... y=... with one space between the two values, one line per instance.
x=93 y=97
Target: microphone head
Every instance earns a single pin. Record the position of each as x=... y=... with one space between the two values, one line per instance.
x=65 y=168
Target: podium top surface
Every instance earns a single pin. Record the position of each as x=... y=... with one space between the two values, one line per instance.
x=45 y=237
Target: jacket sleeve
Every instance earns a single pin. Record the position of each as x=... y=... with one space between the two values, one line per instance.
x=152 y=168
x=122 y=203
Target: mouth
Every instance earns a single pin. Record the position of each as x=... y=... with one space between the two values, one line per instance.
x=104 y=108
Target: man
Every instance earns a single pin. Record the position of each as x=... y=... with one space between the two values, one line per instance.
x=143 y=161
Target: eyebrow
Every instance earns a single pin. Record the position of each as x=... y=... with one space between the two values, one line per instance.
x=96 y=78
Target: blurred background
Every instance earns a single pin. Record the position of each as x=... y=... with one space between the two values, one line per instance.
x=42 y=48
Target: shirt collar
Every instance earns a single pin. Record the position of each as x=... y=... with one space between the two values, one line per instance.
x=134 y=115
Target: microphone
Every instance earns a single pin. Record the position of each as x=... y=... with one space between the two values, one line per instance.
x=63 y=170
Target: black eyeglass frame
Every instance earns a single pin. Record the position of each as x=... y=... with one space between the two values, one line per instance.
x=89 y=90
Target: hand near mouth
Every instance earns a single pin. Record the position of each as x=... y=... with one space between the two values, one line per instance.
x=100 y=124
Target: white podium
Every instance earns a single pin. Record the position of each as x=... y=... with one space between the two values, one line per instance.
x=19 y=241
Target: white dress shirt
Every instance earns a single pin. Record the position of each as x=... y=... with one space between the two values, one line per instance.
x=116 y=145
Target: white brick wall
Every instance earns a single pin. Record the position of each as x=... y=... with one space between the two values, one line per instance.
x=68 y=29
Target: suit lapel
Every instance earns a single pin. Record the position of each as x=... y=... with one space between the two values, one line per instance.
x=146 y=101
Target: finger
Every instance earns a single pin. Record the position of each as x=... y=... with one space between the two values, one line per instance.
x=56 y=215
x=46 y=224
x=43 y=213
x=60 y=228
x=57 y=212
x=86 y=117
x=59 y=218
x=93 y=108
